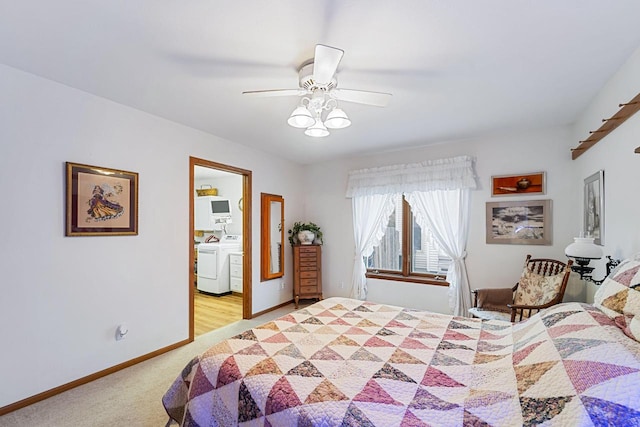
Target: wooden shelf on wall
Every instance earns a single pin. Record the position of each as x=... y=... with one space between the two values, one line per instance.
x=627 y=110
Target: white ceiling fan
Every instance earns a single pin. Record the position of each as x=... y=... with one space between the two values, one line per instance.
x=319 y=92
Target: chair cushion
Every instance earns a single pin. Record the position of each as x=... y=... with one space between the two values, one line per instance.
x=536 y=289
x=490 y=315
x=619 y=296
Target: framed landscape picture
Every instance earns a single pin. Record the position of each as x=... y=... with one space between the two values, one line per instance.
x=100 y=201
x=515 y=185
x=519 y=222
x=593 y=224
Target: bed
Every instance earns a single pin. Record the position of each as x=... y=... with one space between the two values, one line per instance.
x=345 y=362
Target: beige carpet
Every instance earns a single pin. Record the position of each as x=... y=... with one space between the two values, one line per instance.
x=131 y=397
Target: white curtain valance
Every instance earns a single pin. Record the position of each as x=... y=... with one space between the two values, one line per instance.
x=442 y=174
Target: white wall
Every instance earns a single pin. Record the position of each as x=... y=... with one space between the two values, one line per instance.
x=508 y=153
x=62 y=297
x=488 y=265
x=615 y=155
x=230 y=187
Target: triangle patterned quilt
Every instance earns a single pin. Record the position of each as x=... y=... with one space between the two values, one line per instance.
x=345 y=362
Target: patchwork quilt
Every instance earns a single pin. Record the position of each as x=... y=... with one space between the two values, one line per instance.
x=344 y=362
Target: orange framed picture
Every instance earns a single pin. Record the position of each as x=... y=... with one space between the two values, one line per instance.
x=517 y=185
x=101 y=201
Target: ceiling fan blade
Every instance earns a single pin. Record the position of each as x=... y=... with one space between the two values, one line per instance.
x=325 y=63
x=378 y=99
x=275 y=92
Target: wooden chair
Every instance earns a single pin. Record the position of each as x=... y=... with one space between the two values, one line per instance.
x=541 y=285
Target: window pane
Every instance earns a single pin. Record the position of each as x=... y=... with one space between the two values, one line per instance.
x=426 y=256
x=388 y=255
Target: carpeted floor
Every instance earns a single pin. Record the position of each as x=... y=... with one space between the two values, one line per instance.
x=131 y=397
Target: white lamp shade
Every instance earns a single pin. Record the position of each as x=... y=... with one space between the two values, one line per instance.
x=301 y=118
x=337 y=119
x=583 y=247
x=318 y=130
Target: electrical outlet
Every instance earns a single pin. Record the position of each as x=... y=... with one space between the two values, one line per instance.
x=281 y=285
x=121 y=332
x=341 y=285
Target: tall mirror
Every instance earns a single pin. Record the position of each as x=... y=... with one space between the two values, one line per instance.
x=272 y=237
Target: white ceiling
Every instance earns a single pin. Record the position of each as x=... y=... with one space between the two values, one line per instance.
x=455 y=68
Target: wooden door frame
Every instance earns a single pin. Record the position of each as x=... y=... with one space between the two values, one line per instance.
x=246 y=236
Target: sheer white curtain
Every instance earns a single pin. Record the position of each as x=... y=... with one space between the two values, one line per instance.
x=439 y=191
x=446 y=214
x=370 y=216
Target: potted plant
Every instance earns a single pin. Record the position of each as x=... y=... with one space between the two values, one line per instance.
x=305 y=233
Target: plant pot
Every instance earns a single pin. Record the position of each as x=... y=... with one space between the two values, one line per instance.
x=306 y=237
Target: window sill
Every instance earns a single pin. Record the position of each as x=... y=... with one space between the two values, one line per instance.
x=423 y=280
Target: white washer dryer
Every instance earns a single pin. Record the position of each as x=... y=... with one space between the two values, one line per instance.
x=213 y=264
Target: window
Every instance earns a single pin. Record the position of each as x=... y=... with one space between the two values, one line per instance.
x=408 y=253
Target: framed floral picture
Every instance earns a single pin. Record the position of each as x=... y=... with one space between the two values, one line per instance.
x=520 y=223
x=100 y=201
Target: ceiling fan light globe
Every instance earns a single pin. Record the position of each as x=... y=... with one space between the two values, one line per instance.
x=337 y=119
x=318 y=130
x=301 y=118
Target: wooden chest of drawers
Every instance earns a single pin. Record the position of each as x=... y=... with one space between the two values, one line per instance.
x=307 y=272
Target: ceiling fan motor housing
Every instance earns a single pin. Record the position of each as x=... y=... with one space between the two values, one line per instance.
x=305 y=76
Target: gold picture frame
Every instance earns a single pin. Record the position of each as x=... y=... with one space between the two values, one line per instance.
x=100 y=201
x=526 y=222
